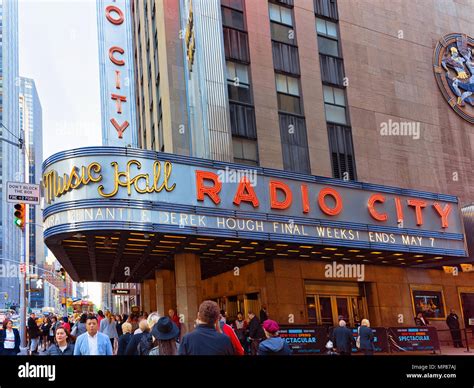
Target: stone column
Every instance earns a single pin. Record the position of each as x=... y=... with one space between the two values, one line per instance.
x=165 y=291
x=188 y=288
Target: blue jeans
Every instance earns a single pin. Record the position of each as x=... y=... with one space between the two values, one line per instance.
x=34 y=344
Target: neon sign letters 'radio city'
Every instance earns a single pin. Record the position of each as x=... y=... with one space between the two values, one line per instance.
x=115 y=16
x=209 y=191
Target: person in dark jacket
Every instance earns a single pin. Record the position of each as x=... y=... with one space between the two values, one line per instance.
x=453 y=323
x=256 y=333
x=263 y=314
x=62 y=347
x=274 y=345
x=34 y=333
x=124 y=339
x=45 y=332
x=205 y=340
x=9 y=339
x=343 y=339
x=367 y=338
x=420 y=320
x=135 y=346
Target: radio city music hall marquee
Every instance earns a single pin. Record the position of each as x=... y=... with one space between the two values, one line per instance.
x=111 y=186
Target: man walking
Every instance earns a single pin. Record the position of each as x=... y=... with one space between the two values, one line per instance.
x=205 y=340
x=93 y=343
x=34 y=334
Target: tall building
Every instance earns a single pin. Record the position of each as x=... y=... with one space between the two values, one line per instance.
x=10 y=166
x=31 y=127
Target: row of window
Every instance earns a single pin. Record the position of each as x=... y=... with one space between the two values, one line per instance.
x=242 y=111
x=332 y=75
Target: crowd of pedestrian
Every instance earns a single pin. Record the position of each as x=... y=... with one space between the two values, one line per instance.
x=146 y=334
x=149 y=334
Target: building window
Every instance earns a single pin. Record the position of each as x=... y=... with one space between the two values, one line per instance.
x=245 y=151
x=280 y=14
x=238 y=83
x=332 y=70
x=342 y=152
x=327 y=8
x=281 y=24
x=233 y=18
x=288 y=93
x=335 y=105
x=236 y=45
x=294 y=143
x=285 y=58
x=242 y=120
x=325 y=27
x=327 y=37
x=234 y=4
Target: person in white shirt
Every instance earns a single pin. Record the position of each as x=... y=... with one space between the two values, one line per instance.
x=9 y=339
x=93 y=343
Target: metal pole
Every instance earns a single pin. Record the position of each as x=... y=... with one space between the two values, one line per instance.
x=467 y=341
x=24 y=264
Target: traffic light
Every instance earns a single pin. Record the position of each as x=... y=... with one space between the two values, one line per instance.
x=20 y=215
x=6 y=295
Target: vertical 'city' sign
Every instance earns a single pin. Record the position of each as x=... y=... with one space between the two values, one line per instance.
x=116 y=73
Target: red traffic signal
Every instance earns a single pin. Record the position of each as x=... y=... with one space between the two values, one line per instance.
x=20 y=213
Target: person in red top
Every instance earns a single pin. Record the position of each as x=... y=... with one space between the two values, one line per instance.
x=174 y=317
x=66 y=324
x=229 y=332
x=100 y=316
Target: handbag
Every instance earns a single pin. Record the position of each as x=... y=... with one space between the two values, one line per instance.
x=358 y=338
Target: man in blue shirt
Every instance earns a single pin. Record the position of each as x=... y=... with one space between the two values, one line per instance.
x=93 y=343
x=205 y=340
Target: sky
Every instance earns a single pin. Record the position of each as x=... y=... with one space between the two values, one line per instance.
x=58 y=49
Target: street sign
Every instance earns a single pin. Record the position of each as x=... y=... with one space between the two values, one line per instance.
x=120 y=291
x=18 y=192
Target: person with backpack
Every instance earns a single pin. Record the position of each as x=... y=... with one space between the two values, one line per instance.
x=80 y=326
x=141 y=343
